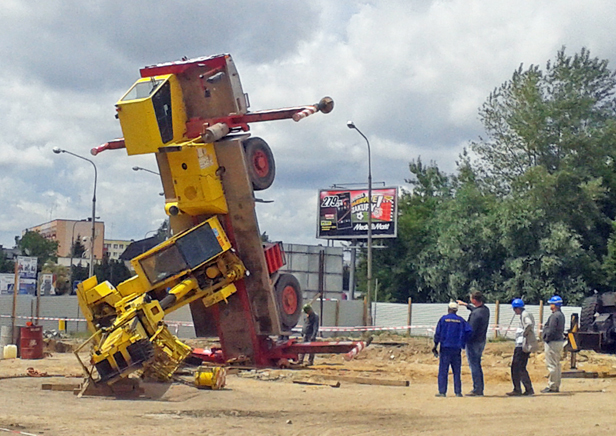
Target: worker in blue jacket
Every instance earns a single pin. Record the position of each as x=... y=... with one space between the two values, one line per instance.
x=452 y=332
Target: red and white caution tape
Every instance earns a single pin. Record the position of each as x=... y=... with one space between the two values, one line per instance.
x=177 y=324
x=7 y=430
x=355 y=351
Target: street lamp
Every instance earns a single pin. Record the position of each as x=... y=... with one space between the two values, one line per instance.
x=58 y=150
x=146 y=170
x=352 y=125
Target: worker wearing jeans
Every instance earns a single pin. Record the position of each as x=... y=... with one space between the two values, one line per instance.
x=478 y=320
x=452 y=332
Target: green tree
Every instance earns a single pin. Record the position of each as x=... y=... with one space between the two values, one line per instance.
x=163 y=232
x=6 y=265
x=114 y=271
x=35 y=245
x=78 y=248
x=61 y=274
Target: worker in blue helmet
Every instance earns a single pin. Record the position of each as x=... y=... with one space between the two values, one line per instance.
x=554 y=340
x=525 y=343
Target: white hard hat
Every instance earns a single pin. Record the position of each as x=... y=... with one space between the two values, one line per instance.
x=453 y=305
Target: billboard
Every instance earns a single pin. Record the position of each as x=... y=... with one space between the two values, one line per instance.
x=343 y=213
x=26 y=274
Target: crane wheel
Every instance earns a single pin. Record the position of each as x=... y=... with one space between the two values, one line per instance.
x=289 y=298
x=260 y=163
x=587 y=315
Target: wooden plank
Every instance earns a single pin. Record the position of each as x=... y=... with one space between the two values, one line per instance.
x=313 y=383
x=60 y=386
x=579 y=374
x=367 y=381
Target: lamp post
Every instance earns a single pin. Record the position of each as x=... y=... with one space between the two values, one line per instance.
x=146 y=170
x=58 y=150
x=352 y=125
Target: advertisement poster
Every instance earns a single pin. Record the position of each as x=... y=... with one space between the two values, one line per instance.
x=343 y=214
x=6 y=283
x=47 y=285
x=26 y=271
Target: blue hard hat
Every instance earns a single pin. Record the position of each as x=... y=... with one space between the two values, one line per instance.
x=517 y=303
x=555 y=300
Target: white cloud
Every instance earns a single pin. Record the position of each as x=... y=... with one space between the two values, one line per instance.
x=410 y=74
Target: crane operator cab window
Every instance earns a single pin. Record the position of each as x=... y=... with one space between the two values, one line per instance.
x=148 y=113
x=181 y=254
x=160 y=92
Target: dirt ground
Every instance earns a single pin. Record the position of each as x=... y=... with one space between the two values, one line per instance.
x=267 y=402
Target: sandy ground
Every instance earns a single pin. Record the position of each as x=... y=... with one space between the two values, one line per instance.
x=267 y=402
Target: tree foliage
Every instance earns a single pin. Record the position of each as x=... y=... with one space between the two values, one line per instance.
x=35 y=245
x=530 y=212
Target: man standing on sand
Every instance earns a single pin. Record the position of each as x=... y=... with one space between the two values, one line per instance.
x=478 y=320
x=525 y=343
x=452 y=332
x=553 y=339
x=309 y=331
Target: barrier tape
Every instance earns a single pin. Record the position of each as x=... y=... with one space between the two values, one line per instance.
x=178 y=324
x=18 y=432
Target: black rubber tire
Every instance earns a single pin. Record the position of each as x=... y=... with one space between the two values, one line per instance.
x=587 y=315
x=260 y=163
x=289 y=300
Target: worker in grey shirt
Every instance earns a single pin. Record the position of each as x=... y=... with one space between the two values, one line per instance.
x=553 y=338
x=479 y=320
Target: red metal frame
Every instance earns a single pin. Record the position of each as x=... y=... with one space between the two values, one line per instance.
x=274 y=256
x=275 y=353
x=195 y=127
x=179 y=67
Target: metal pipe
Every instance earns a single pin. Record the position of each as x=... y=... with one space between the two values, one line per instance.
x=351 y=125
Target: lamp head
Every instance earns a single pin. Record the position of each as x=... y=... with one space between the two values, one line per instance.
x=351 y=125
x=57 y=150
x=136 y=168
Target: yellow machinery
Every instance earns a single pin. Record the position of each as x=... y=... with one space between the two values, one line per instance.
x=193 y=116
x=129 y=333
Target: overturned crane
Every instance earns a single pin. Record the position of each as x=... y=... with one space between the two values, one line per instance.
x=193 y=116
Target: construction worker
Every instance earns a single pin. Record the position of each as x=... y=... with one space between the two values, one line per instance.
x=309 y=331
x=452 y=332
x=478 y=320
x=525 y=343
x=553 y=339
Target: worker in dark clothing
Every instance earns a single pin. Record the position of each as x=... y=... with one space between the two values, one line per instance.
x=309 y=331
x=478 y=320
x=553 y=339
x=452 y=332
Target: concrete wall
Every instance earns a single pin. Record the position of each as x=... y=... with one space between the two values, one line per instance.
x=303 y=263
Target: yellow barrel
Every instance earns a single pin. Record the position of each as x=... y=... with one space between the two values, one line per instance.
x=210 y=377
x=62 y=325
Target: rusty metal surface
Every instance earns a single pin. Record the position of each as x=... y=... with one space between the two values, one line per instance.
x=244 y=231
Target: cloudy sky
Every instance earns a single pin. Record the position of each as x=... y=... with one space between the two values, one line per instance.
x=411 y=74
